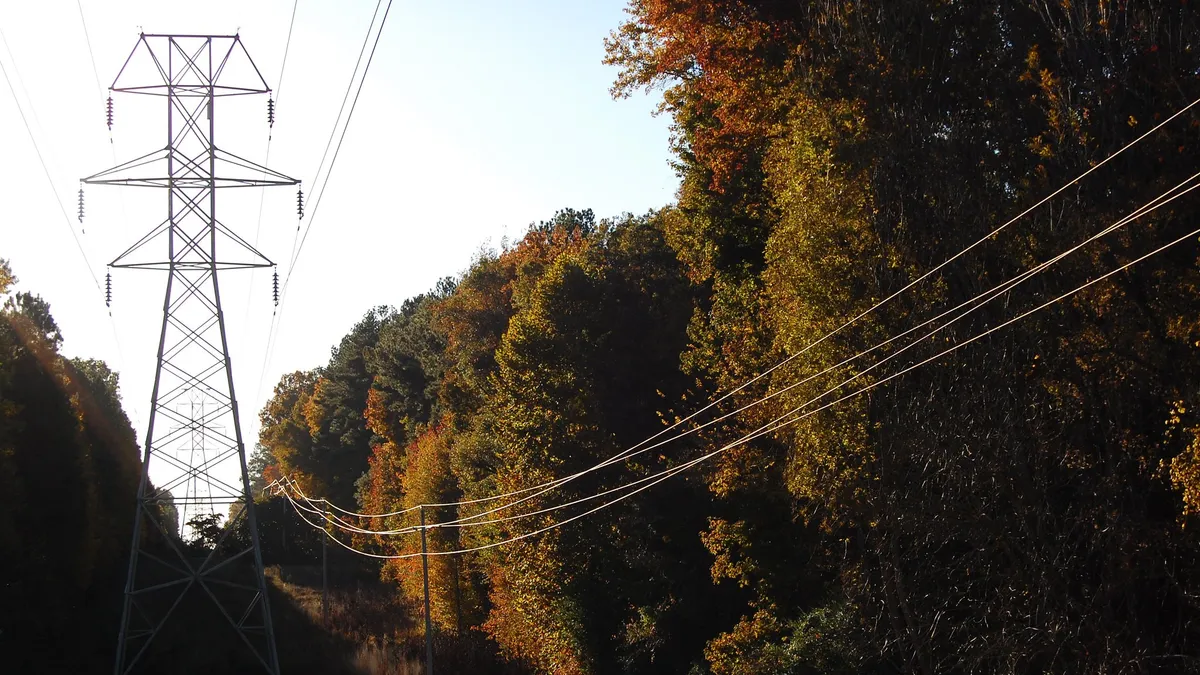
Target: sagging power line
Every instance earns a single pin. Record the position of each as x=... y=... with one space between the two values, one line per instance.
x=788 y=418
x=639 y=448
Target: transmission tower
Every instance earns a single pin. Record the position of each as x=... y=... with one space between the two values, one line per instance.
x=167 y=575
x=196 y=502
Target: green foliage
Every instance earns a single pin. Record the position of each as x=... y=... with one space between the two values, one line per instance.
x=819 y=642
x=1025 y=505
x=6 y=277
x=206 y=531
x=340 y=437
x=285 y=433
x=408 y=364
x=532 y=366
x=592 y=324
x=36 y=312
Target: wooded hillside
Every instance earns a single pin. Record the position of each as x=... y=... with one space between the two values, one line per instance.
x=1020 y=504
x=917 y=347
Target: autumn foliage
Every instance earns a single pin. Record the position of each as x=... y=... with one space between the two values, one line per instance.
x=1026 y=503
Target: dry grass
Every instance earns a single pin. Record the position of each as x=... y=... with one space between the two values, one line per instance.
x=371 y=616
x=383 y=658
x=374 y=631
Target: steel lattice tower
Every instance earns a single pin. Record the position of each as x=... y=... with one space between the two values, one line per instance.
x=190 y=73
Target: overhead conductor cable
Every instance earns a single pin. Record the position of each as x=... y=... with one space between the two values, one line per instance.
x=1168 y=196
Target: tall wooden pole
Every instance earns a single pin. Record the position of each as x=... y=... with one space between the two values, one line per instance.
x=428 y=620
x=325 y=573
x=457 y=598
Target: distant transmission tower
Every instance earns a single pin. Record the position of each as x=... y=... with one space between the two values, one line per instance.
x=168 y=576
x=196 y=501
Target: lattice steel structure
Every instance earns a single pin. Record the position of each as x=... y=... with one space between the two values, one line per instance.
x=225 y=569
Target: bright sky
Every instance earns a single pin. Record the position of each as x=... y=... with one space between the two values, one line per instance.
x=476 y=119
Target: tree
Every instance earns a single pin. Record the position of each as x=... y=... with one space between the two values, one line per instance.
x=68 y=476
x=37 y=312
x=341 y=441
x=830 y=154
x=408 y=364
x=285 y=433
x=206 y=531
x=593 y=326
x=6 y=277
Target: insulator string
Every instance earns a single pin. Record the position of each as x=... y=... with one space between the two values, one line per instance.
x=81 y=208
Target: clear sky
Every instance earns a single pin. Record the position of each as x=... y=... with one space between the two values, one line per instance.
x=477 y=118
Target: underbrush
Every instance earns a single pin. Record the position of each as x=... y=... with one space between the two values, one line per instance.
x=371 y=629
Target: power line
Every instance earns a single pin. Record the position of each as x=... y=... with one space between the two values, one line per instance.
x=21 y=84
x=1166 y=197
x=112 y=147
x=276 y=318
x=91 y=54
x=317 y=204
x=776 y=424
x=287 y=46
x=550 y=485
x=995 y=292
x=267 y=160
x=626 y=453
x=45 y=168
x=66 y=218
x=332 y=133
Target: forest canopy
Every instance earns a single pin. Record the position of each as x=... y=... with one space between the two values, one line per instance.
x=1022 y=504
x=916 y=347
